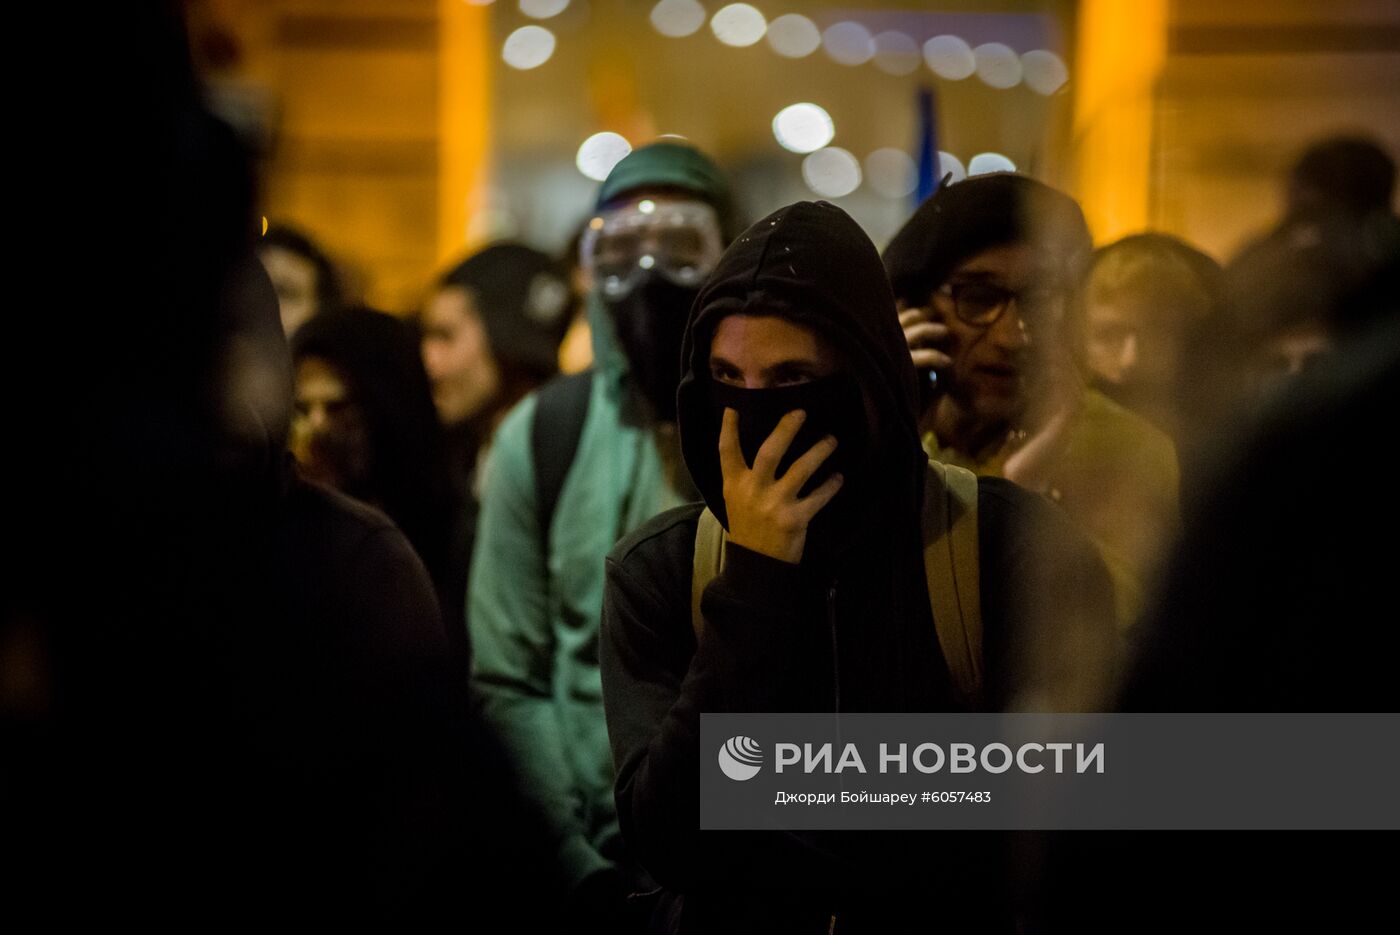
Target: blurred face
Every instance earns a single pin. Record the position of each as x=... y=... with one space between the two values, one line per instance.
x=1113 y=338
x=1288 y=354
x=457 y=355
x=330 y=439
x=765 y=352
x=1126 y=344
x=997 y=364
x=294 y=278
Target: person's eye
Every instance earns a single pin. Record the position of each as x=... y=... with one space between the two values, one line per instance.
x=981 y=296
x=792 y=377
x=726 y=374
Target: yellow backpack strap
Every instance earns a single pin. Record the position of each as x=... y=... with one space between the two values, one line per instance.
x=710 y=538
x=951 y=566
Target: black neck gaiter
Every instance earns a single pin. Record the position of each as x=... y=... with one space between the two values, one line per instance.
x=834 y=406
x=650 y=322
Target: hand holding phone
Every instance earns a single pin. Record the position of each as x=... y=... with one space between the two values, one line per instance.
x=927 y=338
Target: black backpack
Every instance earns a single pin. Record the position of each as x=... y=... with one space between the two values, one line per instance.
x=561 y=408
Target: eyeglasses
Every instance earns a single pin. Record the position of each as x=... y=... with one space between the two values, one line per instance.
x=678 y=239
x=981 y=304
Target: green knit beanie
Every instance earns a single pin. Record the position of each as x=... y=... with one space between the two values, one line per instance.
x=668 y=164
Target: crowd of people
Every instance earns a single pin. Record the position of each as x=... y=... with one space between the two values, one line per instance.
x=370 y=617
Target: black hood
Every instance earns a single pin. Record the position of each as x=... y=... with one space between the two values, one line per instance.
x=377 y=355
x=812 y=264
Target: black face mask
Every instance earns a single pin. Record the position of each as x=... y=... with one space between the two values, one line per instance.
x=650 y=322
x=834 y=406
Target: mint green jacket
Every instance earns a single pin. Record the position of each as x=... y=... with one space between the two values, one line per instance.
x=533 y=618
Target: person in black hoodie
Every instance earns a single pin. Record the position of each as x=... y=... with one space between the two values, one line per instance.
x=365 y=425
x=225 y=695
x=822 y=602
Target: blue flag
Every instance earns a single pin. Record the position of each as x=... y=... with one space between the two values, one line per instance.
x=928 y=147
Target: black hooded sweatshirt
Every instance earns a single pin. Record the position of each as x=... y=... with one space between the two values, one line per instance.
x=782 y=637
x=226 y=695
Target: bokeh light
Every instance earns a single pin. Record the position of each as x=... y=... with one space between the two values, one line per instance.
x=950 y=57
x=803 y=128
x=794 y=36
x=543 y=9
x=997 y=65
x=896 y=53
x=528 y=47
x=600 y=152
x=948 y=164
x=982 y=163
x=891 y=172
x=1045 y=72
x=832 y=172
x=849 y=43
x=676 y=18
x=739 y=25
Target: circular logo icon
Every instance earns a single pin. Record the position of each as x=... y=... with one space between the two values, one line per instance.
x=740 y=758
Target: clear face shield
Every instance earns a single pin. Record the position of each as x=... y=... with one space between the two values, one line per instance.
x=679 y=240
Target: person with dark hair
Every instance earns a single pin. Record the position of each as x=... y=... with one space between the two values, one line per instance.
x=491 y=331
x=576 y=347
x=306 y=280
x=987 y=274
x=490 y=334
x=1353 y=174
x=1273 y=601
x=573 y=468
x=1151 y=318
x=365 y=424
x=226 y=694
x=1320 y=277
x=797 y=413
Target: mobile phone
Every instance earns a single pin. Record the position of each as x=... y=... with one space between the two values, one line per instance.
x=931 y=382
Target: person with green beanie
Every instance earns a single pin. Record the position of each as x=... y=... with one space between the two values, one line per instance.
x=573 y=468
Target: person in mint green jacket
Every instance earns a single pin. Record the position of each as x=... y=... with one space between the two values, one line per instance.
x=572 y=469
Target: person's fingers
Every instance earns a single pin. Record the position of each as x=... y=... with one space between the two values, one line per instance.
x=731 y=458
x=912 y=316
x=804 y=467
x=928 y=332
x=812 y=504
x=929 y=359
x=765 y=463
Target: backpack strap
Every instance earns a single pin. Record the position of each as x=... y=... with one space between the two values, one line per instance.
x=951 y=566
x=710 y=538
x=561 y=408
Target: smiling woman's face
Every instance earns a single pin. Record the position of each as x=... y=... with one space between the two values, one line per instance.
x=758 y=352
